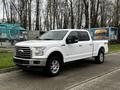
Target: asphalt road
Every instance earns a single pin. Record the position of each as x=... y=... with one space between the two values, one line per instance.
x=80 y=75
x=110 y=81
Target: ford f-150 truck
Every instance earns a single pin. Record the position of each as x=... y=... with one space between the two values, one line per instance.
x=57 y=47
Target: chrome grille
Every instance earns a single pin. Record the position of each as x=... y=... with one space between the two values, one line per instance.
x=23 y=52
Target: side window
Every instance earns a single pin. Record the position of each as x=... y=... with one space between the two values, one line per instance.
x=83 y=36
x=73 y=33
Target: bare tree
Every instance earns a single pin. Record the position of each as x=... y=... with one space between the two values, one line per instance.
x=116 y=13
x=29 y=13
x=61 y=13
x=37 y=15
x=6 y=8
x=94 y=12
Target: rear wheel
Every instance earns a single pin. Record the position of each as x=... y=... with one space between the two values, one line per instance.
x=100 y=58
x=53 y=66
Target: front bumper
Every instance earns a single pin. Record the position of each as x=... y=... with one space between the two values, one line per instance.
x=30 y=62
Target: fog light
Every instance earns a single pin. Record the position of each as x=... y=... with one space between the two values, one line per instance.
x=36 y=62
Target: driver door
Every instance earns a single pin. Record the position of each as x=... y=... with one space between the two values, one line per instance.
x=71 y=50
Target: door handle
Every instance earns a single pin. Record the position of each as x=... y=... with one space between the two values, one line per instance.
x=90 y=44
x=80 y=45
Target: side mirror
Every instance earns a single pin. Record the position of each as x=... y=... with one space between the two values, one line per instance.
x=72 y=40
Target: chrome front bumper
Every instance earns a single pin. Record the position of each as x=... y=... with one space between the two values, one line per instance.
x=30 y=62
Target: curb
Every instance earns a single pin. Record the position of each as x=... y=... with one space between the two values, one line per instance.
x=8 y=69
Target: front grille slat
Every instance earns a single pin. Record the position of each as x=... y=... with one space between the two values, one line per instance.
x=23 y=52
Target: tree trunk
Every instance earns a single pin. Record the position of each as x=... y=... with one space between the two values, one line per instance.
x=37 y=14
x=29 y=13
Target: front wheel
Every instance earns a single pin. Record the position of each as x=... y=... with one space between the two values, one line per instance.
x=100 y=58
x=53 y=66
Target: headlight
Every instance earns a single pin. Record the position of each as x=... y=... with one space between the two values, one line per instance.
x=38 y=51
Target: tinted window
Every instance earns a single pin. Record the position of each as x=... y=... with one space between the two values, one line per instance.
x=73 y=34
x=53 y=35
x=83 y=36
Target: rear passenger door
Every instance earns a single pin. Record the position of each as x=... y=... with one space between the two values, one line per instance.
x=85 y=44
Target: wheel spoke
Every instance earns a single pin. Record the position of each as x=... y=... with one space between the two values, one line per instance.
x=101 y=57
x=55 y=66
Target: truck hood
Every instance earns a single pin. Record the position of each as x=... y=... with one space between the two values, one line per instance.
x=37 y=43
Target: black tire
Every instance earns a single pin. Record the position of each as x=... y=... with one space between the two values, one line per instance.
x=100 y=58
x=51 y=69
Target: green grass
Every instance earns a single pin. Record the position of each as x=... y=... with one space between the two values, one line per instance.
x=114 y=48
x=6 y=60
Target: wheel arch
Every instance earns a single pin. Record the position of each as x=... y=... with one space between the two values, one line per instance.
x=101 y=49
x=56 y=53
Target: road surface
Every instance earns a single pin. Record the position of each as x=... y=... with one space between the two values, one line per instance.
x=80 y=75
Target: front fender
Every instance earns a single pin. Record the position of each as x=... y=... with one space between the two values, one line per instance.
x=51 y=50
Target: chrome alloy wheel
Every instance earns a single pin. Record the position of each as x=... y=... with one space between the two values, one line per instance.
x=101 y=57
x=55 y=66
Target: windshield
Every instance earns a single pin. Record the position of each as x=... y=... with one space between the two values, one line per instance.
x=53 y=35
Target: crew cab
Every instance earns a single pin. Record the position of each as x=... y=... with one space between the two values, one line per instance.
x=57 y=47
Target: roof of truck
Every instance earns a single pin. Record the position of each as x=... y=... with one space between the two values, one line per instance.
x=70 y=30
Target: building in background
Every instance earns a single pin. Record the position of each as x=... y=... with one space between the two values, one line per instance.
x=12 y=33
x=104 y=33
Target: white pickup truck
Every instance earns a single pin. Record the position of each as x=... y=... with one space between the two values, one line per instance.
x=57 y=47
